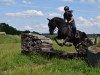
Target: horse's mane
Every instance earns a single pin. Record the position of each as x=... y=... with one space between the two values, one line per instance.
x=58 y=18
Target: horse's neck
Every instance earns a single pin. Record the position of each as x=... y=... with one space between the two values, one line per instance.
x=63 y=26
x=60 y=25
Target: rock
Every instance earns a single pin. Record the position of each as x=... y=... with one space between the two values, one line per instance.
x=34 y=42
x=93 y=56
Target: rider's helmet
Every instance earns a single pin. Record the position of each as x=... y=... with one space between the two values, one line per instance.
x=66 y=8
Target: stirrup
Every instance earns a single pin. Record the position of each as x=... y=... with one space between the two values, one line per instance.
x=77 y=35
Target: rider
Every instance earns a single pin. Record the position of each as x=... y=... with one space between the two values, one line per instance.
x=68 y=17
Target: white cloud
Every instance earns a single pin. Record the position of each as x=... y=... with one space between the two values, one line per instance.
x=81 y=21
x=27 y=27
x=26 y=13
x=61 y=8
x=7 y=2
x=68 y=0
x=92 y=1
x=41 y=28
x=54 y=15
x=26 y=2
x=10 y=2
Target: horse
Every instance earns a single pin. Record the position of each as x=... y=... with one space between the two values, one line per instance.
x=65 y=33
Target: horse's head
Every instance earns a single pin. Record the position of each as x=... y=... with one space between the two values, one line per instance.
x=51 y=25
x=55 y=22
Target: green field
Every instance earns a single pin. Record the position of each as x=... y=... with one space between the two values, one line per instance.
x=12 y=62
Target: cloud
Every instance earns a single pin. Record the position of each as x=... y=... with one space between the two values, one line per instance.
x=41 y=28
x=61 y=8
x=26 y=2
x=27 y=27
x=26 y=13
x=81 y=21
x=10 y=2
x=7 y=2
x=68 y=0
x=92 y=1
x=54 y=15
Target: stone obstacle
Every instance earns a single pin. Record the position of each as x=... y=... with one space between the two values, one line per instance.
x=93 y=56
x=38 y=43
x=33 y=42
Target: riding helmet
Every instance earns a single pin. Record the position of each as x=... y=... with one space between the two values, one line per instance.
x=66 y=8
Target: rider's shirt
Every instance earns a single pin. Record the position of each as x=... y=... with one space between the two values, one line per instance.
x=67 y=15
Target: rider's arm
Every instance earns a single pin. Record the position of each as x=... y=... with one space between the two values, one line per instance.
x=65 y=18
x=71 y=19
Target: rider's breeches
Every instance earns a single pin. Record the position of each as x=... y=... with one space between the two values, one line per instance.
x=73 y=27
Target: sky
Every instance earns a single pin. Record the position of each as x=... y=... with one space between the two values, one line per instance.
x=32 y=14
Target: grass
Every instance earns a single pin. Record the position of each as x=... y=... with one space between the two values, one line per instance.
x=9 y=39
x=12 y=62
x=63 y=48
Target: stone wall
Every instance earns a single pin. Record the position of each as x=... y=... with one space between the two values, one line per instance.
x=38 y=43
x=93 y=56
x=34 y=42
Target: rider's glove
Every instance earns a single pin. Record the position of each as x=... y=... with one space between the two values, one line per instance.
x=66 y=21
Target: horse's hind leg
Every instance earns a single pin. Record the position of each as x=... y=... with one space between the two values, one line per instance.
x=67 y=40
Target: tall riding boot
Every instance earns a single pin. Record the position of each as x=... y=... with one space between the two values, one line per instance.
x=75 y=33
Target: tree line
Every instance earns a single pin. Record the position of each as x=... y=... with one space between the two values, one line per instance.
x=11 y=30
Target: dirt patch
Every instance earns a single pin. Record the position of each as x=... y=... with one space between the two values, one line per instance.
x=96 y=49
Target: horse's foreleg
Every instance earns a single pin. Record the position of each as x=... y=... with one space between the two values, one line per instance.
x=66 y=40
x=60 y=44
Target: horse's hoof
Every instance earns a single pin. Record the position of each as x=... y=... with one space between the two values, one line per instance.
x=60 y=44
x=64 y=44
x=69 y=45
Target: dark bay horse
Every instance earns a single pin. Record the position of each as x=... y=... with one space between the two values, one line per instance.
x=65 y=33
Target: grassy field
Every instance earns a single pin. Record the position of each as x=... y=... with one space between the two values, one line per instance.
x=12 y=62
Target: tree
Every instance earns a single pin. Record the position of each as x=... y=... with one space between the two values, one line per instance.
x=8 y=29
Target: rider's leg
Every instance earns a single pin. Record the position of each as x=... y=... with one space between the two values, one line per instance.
x=73 y=28
x=76 y=34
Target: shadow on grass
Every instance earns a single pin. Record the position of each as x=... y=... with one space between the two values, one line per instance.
x=56 y=54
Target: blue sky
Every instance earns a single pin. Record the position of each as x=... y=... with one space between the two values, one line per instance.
x=31 y=14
